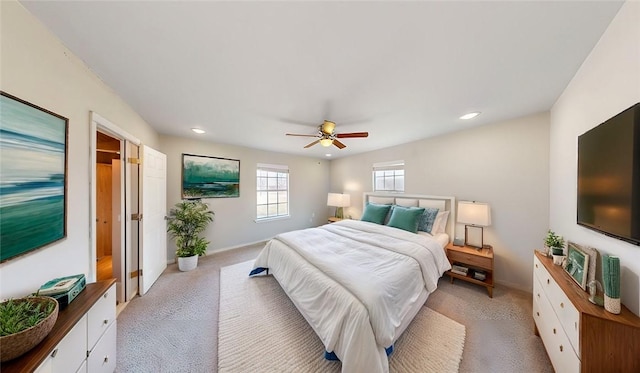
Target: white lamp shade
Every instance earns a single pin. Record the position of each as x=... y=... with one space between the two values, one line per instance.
x=338 y=200
x=474 y=213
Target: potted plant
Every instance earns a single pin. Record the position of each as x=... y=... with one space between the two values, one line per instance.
x=25 y=322
x=555 y=244
x=186 y=220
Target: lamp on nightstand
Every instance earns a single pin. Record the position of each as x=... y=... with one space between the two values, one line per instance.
x=474 y=215
x=339 y=200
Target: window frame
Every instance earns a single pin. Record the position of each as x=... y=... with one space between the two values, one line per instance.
x=393 y=166
x=279 y=171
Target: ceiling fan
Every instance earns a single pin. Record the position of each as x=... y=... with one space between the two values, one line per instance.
x=326 y=136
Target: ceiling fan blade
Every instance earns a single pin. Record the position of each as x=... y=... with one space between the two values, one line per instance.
x=339 y=144
x=296 y=134
x=312 y=144
x=352 y=134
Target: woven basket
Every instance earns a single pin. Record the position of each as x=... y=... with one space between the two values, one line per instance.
x=14 y=345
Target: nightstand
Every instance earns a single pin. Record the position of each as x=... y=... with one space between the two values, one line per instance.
x=333 y=219
x=476 y=261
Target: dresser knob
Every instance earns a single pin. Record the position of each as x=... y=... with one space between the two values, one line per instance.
x=105 y=322
x=54 y=353
x=561 y=305
x=106 y=359
x=105 y=295
x=538 y=295
x=560 y=348
x=554 y=330
x=536 y=265
x=538 y=313
x=547 y=281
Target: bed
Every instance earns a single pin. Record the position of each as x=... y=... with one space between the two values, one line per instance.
x=360 y=283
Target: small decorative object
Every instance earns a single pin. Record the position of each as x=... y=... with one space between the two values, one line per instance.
x=558 y=259
x=24 y=323
x=577 y=265
x=554 y=243
x=34 y=176
x=209 y=177
x=595 y=287
x=611 y=280
x=186 y=221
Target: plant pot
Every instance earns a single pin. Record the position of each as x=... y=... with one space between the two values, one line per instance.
x=15 y=345
x=556 y=251
x=188 y=263
x=558 y=259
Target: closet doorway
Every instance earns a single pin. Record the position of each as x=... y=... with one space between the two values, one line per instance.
x=107 y=205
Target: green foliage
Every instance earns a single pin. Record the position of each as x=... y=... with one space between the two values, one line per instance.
x=553 y=240
x=185 y=223
x=17 y=315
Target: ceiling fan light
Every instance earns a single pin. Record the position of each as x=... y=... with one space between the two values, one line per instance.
x=326 y=142
x=328 y=127
x=198 y=131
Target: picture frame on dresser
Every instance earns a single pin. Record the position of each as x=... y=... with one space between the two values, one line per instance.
x=577 y=264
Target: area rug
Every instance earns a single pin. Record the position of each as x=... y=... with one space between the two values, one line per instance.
x=261 y=330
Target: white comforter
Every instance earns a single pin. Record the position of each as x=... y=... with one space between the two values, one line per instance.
x=355 y=282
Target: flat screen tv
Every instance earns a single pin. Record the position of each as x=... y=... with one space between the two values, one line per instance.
x=609 y=177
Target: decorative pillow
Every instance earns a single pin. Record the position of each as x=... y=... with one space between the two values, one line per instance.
x=406 y=218
x=440 y=224
x=427 y=219
x=386 y=218
x=375 y=213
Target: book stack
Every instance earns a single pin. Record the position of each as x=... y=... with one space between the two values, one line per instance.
x=460 y=270
x=478 y=275
x=64 y=289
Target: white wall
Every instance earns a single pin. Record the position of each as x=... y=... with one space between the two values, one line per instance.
x=607 y=83
x=36 y=67
x=234 y=223
x=504 y=164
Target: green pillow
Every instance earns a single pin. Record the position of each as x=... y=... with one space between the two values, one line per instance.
x=406 y=218
x=375 y=213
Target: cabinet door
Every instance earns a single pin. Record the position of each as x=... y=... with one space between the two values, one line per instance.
x=72 y=350
x=103 y=356
x=100 y=316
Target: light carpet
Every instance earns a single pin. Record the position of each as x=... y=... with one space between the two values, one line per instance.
x=260 y=329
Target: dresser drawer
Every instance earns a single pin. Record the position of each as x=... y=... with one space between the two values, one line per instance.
x=472 y=260
x=566 y=312
x=66 y=356
x=103 y=356
x=101 y=316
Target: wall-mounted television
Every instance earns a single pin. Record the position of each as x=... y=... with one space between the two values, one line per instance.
x=609 y=177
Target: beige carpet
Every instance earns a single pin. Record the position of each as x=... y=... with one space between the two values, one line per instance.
x=261 y=330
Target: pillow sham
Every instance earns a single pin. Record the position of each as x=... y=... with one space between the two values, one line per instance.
x=427 y=219
x=375 y=213
x=406 y=218
x=440 y=224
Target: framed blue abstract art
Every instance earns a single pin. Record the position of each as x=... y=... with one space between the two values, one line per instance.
x=33 y=165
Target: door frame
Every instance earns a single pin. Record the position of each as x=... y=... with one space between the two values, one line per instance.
x=103 y=125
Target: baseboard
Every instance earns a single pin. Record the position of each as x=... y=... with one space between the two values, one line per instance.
x=216 y=251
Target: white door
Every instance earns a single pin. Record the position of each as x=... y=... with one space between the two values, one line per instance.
x=153 y=257
x=132 y=229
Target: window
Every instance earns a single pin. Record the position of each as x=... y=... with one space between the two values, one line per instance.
x=388 y=176
x=272 y=188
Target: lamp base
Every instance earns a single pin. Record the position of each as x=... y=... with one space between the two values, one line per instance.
x=473 y=236
x=339 y=212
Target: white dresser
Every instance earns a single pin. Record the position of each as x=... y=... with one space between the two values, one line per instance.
x=83 y=339
x=578 y=335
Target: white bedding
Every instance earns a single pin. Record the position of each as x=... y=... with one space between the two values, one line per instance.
x=356 y=283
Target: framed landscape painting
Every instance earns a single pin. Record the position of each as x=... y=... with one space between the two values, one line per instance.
x=209 y=177
x=33 y=164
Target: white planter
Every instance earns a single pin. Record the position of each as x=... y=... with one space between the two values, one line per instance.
x=558 y=259
x=188 y=263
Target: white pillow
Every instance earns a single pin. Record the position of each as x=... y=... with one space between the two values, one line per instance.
x=440 y=223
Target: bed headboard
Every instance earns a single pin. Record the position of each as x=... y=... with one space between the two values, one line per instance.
x=442 y=203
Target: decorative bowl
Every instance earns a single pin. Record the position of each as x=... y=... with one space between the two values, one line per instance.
x=15 y=345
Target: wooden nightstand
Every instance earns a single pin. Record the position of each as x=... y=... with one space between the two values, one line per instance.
x=333 y=219
x=475 y=260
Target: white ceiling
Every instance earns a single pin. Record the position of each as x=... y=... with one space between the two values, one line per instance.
x=249 y=72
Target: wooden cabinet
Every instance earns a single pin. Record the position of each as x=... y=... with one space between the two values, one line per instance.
x=475 y=260
x=83 y=340
x=578 y=335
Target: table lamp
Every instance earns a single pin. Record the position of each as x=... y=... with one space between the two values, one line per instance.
x=474 y=215
x=339 y=201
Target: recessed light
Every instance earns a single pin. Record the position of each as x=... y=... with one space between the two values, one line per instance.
x=327 y=155
x=470 y=115
x=198 y=131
